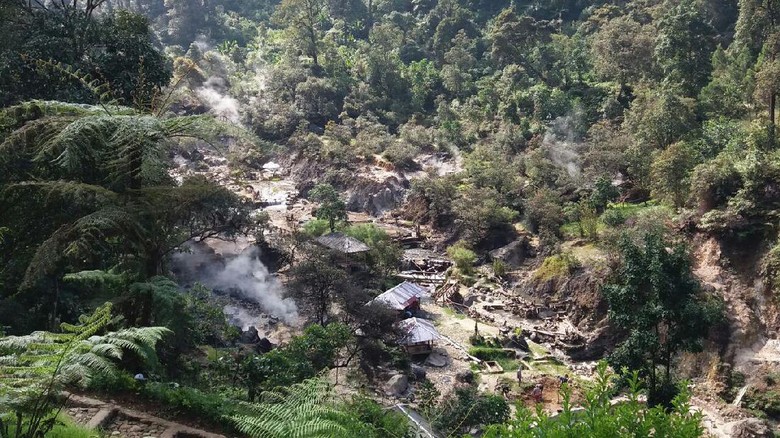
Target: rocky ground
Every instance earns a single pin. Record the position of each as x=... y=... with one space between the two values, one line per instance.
x=119 y=421
x=563 y=318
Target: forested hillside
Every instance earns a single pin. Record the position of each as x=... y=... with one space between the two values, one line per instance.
x=391 y=218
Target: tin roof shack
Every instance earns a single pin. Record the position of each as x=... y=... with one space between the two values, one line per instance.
x=403 y=297
x=351 y=252
x=418 y=335
x=342 y=243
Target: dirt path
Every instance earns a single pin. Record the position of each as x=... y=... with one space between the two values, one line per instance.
x=122 y=422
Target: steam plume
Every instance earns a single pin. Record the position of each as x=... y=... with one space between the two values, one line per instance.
x=561 y=144
x=247 y=275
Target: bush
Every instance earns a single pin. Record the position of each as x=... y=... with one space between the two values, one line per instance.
x=385 y=422
x=770 y=269
x=557 y=266
x=468 y=408
x=613 y=217
x=316 y=227
x=491 y=353
x=112 y=383
x=401 y=154
x=499 y=268
x=463 y=257
x=603 y=418
x=544 y=211
x=764 y=396
x=181 y=400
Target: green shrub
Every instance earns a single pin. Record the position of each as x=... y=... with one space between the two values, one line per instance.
x=603 y=418
x=377 y=419
x=499 y=268
x=401 y=154
x=182 y=400
x=771 y=269
x=614 y=217
x=113 y=383
x=316 y=227
x=463 y=257
x=556 y=266
x=491 y=353
x=468 y=408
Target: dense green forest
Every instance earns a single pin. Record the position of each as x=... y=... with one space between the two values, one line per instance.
x=589 y=182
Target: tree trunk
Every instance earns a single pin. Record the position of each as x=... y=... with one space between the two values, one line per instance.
x=772 y=105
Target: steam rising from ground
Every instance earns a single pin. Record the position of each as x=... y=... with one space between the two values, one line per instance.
x=214 y=93
x=251 y=279
x=562 y=146
x=242 y=275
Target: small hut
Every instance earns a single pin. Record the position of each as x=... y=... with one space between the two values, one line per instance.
x=403 y=297
x=417 y=335
x=351 y=252
x=342 y=243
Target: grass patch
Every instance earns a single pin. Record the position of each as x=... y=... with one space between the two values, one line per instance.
x=452 y=313
x=628 y=209
x=65 y=428
x=573 y=230
x=491 y=353
x=537 y=350
x=559 y=265
x=69 y=429
x=509 y=364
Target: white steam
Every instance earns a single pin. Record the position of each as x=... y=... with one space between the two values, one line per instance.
x=251 y=279
x=214 y=94
x=215 y=91
x=562 y=146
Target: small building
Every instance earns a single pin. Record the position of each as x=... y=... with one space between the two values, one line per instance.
x=350 y=252
x=403 y=297
x=417 y=335
x=342 y=243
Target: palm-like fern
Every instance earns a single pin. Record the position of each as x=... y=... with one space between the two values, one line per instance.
x=304 y=410
x=119 y=147
x=86 y=187
x=35 y=368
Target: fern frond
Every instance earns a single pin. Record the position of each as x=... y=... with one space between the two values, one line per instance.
x=85 y=236
x=304 y=410
x=101 y=90
x=33 y=364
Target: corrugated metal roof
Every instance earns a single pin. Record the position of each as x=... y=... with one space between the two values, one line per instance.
x=416 y=330
x=343 y=243
x=401 y=296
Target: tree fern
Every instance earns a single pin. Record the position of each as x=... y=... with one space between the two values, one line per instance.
x=87 y=187
x=82 y=240
x=304 y=410
x=35 y=368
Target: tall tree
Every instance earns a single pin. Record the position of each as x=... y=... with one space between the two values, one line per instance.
x=656 y=299
x=623 y=51
x=305 y=21
x=757 y=34
x=684 y=46
x=47 y=43
x=331 y=208
x=768 y=81
x=513 y=37
x=317 y=283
